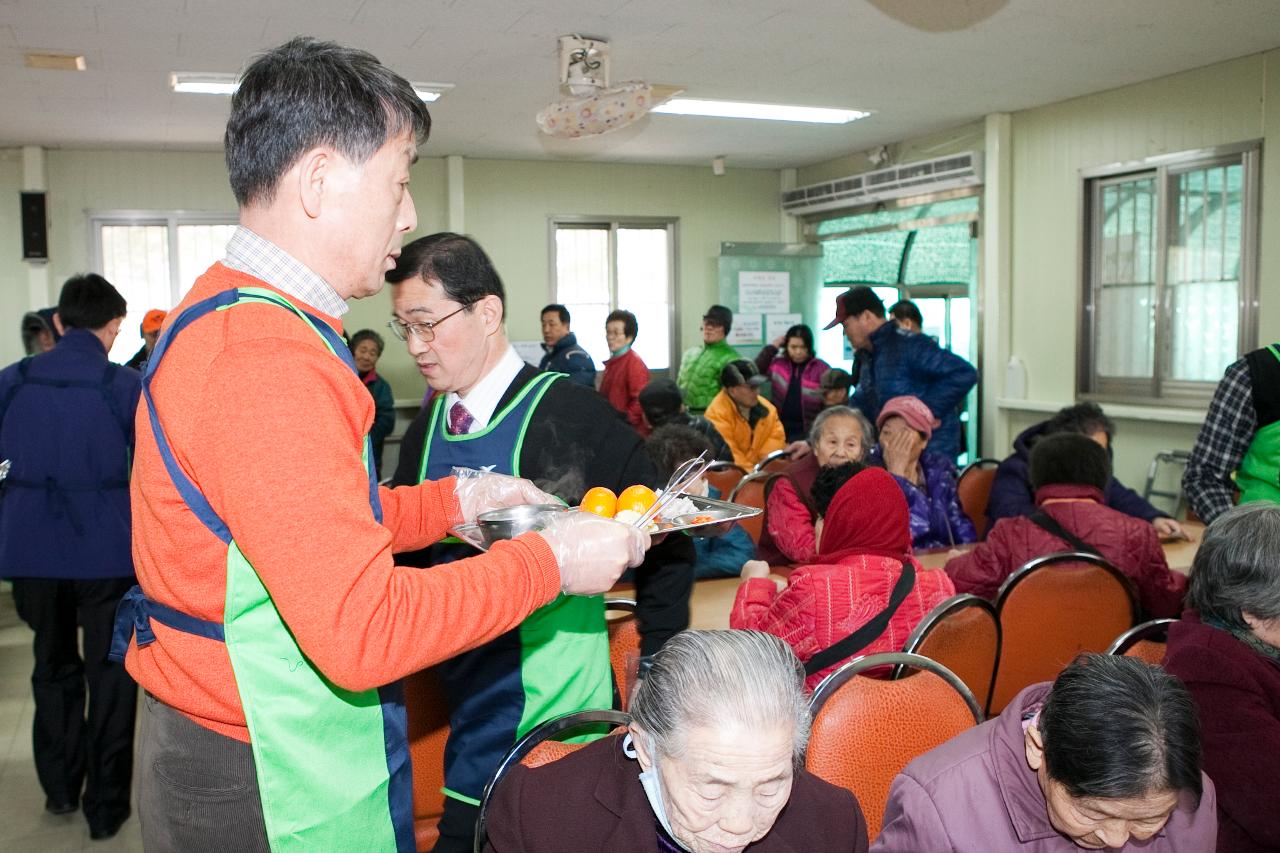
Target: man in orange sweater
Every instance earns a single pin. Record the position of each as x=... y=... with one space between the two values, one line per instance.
x=271 y=625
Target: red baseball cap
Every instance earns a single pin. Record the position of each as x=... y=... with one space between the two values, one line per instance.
x=853 y=302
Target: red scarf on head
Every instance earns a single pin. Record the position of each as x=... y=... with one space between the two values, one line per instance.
x=868 y=515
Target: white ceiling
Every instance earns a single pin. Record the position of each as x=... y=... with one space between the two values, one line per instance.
x=920 y=65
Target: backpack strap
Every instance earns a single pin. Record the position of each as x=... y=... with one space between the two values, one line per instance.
x=1048 y=523
x=872 y=628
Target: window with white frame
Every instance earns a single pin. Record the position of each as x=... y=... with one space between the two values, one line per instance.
x=1169 y=275
x=153 y=258
x=599 y=265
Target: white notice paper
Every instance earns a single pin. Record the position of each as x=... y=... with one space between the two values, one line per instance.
x=776 y=325
x=747 y=329
x=530 y=351
x=761 y=292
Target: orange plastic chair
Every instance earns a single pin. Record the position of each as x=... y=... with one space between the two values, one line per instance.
x=537 y=748
x=1146 y=642
x=624 y=643
x=724 y=476
x=750 y=492
x=777 y=461
x=973 y=490
x=1052 y=609
x=428 y=729
x=963 y=634
x=866 y=730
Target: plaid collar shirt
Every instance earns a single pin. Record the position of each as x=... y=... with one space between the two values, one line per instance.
x=250 y=253
x=1223 y=441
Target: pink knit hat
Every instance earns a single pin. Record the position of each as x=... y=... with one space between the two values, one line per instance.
x=913 y=411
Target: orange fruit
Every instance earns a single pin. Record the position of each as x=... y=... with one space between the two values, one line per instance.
x=600 y=501
x=636 y=498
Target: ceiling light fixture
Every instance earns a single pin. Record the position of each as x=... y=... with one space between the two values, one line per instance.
x=766 y=112
x=211 y=83
x=55 y=61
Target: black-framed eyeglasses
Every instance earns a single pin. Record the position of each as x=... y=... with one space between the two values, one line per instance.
x=425 y=332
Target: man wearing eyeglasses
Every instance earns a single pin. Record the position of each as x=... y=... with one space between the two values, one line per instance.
x=492 y=409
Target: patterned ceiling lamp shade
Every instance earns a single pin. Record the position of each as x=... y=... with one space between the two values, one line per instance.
x=611 y=109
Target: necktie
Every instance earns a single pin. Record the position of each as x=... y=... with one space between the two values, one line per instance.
x=460 y=419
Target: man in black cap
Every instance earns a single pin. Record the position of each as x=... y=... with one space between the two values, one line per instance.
x=750 y=426
x=662 y=403
x=897 y=363
x=700 y=366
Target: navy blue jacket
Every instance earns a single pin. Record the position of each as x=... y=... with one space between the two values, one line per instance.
x=565 y=356
x=67 y=427
x=1011 y=493
x=901 y=363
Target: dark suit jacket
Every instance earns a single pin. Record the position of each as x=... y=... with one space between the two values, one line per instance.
x=592 y=800
x=576 y=440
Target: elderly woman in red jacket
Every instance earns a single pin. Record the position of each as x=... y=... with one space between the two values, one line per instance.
x=864 y=546
x=1226 y=649
x=1069 y=472
x=625 y=373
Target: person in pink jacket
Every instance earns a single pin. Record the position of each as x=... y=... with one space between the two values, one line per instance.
x=864 y=545
x=1069 y=472
x=1107 y=756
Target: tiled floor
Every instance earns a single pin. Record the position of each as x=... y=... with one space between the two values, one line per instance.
x=25 y=827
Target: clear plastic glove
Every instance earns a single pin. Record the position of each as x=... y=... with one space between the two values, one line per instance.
x=481 y=491
x=592 y=551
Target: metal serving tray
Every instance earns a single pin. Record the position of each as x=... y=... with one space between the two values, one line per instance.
x=722 y=512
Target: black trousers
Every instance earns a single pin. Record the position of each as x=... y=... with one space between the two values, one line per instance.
x=76 y=753
x=457 y=827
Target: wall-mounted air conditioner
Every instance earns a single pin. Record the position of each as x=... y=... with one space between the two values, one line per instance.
x=909 y=179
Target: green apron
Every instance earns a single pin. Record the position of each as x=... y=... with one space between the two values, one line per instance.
x=555 y=662
x=1259 y=474
x=332 y=765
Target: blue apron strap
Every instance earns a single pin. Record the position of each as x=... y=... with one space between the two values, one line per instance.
x=134 y=614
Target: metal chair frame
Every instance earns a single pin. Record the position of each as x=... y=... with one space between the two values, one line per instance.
x=1172 y=457
x=1156 y=629
x=941 y=611
x=526 y=744
x=753 y=477
x=627 y=604
x=772 y=457
x=898 y=660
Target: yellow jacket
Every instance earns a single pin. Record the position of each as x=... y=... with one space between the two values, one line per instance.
x=749 y=445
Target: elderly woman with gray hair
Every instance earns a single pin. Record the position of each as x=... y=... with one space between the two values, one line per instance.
x=1226 y=649
x=839 y=435
x=712 y=763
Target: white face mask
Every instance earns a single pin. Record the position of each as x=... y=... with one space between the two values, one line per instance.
x=653 y=787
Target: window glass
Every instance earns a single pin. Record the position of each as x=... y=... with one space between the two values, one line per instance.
x=135 y=258
x=1126 y=267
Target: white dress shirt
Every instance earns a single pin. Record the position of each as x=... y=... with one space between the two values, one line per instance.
x=483 y=399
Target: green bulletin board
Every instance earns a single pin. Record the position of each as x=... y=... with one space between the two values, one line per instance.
x=801 y=261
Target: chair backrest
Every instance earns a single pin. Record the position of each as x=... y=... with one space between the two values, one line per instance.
x=1146 y=642
x=866 y=730
x=963 y=634
x=624 y=643
x=750 y=492
x=973 y=490
x=724 y=476
x=1052 y=609
x=536 y=748
x=778 y=460
x=428 y=730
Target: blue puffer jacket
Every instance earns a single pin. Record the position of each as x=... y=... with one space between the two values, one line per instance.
x=937 y=521
x=565 y=356
x=67 y=427
x=900 y=363
x=1011 y=493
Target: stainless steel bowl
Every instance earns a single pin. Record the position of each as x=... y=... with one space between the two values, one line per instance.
x=509 y=522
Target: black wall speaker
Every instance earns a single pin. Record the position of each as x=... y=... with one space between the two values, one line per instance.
x=35 y=236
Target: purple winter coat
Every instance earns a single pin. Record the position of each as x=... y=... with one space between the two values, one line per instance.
x=937 y=521
x=1011 y=493
x=976 y=794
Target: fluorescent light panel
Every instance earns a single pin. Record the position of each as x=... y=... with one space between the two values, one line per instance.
x=766 y=112
x=201 y=83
